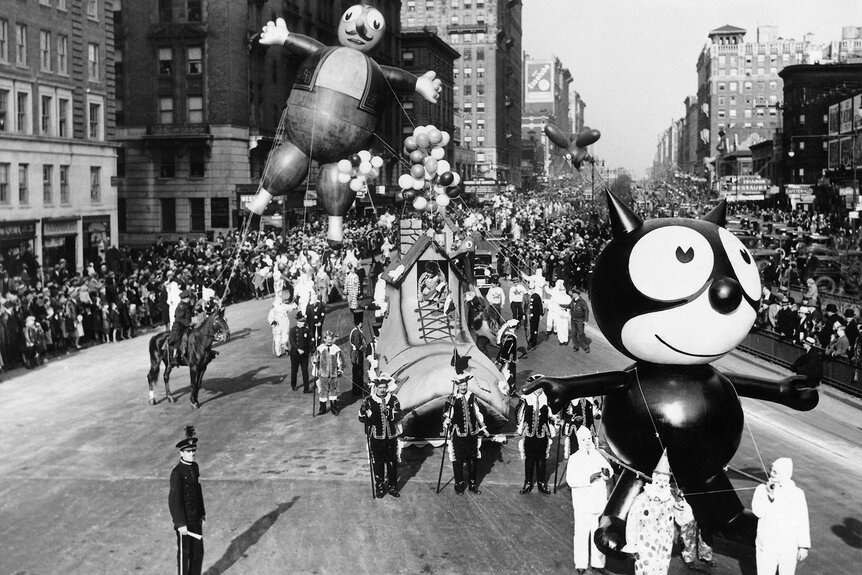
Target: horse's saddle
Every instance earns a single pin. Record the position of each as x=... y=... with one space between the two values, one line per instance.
x=179 y=354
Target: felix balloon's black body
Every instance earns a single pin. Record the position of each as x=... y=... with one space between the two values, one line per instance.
x=675 y=294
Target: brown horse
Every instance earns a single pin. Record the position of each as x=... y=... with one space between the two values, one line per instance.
x=198 y=354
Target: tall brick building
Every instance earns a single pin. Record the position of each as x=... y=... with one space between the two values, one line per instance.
x=198 y=104
x=57 y=200
x=487 y=88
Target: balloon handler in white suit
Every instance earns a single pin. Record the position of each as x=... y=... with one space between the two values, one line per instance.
x=588 y=474
x=783 y=535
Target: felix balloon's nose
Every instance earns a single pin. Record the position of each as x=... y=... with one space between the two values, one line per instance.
x=725 y=295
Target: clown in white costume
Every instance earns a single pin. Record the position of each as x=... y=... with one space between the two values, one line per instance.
x=173 y=299
x=559 y=304
x=304 y=287
x=783 y=535
x=279 y=319
x=587 y=473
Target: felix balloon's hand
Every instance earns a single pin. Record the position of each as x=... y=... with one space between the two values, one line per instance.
x=428 y=86
x=799 y=392
x=274 y=33
x=610 y=537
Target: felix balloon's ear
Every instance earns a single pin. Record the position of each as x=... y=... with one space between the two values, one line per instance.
x=623 y=220
x=718 y=214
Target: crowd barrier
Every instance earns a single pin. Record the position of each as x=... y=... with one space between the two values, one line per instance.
x=839 y=373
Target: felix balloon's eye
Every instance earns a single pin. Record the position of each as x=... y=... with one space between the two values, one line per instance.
x=684 y=256
x=671 y=263
x=743 y=263
x=375 y=20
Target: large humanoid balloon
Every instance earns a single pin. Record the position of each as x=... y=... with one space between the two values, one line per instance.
x=674 y=294
x=335 y=102
x=575 y=145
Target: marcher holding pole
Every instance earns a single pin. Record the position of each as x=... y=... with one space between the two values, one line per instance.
x=186 y=504
x=381 y=413
x=463 y=417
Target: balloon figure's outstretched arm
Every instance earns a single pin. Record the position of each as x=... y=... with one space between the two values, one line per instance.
x=277 y=34
x=427 y=85
x=560 y=390
x=795 y=391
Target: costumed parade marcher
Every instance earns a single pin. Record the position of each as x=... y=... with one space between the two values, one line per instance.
x=516 y=300
x=650 y=527
x=693 y=545
x=536 y=429
x=581 y=412
x=462 y=417
x=534 y=312
x=279 y=319
x=299 y=352
x=358 y=351
x=181 y=325
x=507 y=357
x=587 y=474
x=783 y=534
x=186 y=504
x=315 y=313
x=381 y=414
x=329 y=366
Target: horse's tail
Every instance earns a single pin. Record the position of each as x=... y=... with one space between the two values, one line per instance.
x=156 y=346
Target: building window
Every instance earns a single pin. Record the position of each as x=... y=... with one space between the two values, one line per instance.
x=429 y=5
x=219 y=213
x=480 y=72
x=747 y=113
x=468 y=90
x=801 y=119
x=64 y=110
x=94 y=121
x=480 y=36
x=4 y=110
x=64 y=184
x=95 y=184
x=197 y=164
x=734 y=86
x=198 y=217
x=93 y=62
x=166 y=110
x=722 y=100
x=165 y=61
x=23 y=188
x=93 y=9
x=453 y=20
x=193 y=10
x=47 y=184
x=47 y=115
x=63 y=55
x=411 y=6
x=45 y=50
x=4 y=40
x=480 y=106
x=194 y=59
x=61 y=5
x=407 y=57
x=196 y=109
x=169 y=214
x=167 y=163
x=22 y=125
x=165 y=12
x=721 y=87
x=21 y=46
x=4 y=184
x=468 y=72
x=411 y=22
x=122 y=221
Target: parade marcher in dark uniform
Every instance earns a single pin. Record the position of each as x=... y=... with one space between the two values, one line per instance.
x=535 y=311
x=315 y=312
x=461 y=416
x=186 y=503
x=381 y=413
x=182 y=323
x=581 y=412
x=358 y=351
x=299 y=345
x=580 y=315
x=536 y=429
x=507 y=357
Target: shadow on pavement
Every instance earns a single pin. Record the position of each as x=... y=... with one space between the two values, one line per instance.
x=412 y=459
x=850 y=532
x=224 y=386
x=244 y=541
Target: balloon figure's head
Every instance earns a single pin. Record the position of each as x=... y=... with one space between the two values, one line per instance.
x=674 y=291
x=361 y=27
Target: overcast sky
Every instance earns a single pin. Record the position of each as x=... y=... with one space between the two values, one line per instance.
x=634 y=61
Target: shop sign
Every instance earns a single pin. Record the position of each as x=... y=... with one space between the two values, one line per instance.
x=60 y=228
x=18 y=230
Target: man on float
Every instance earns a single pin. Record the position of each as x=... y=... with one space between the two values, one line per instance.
x=336 y=100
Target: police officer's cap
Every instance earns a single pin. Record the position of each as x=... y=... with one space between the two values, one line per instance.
x=186 y=293
x=190 y=443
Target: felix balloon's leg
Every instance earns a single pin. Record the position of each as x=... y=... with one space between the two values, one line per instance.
x=718 y=511
x=286 y=169
x=610 y=537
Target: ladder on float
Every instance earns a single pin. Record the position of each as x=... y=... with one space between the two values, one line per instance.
x=433 y=323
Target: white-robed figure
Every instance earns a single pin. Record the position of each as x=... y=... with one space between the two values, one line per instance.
x=279 y=319
x=559 y=305
x=587 y=473
x=783 y=535
x=173 y=299
x=304 y=287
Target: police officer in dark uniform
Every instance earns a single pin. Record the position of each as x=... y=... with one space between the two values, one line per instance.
x=315 y=311
x=182 y=323
x=381 y=413
x=358 y=351
x=535 y=311
x=298 y=339
x=186 y=503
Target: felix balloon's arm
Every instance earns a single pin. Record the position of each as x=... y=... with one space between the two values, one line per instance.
x=561 y=390
x=277 y=34
x=427 y=85
x=795 y=391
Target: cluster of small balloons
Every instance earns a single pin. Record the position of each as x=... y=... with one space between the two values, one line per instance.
x=359 y=169
x=501 y=202
x=430 y=183
x=473 y=222
x=386 y=221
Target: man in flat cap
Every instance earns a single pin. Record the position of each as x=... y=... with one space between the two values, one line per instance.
x=181 y=325
x=186 y=504
x=381 y=414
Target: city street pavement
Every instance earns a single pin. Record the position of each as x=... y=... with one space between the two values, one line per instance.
x=86 y=461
